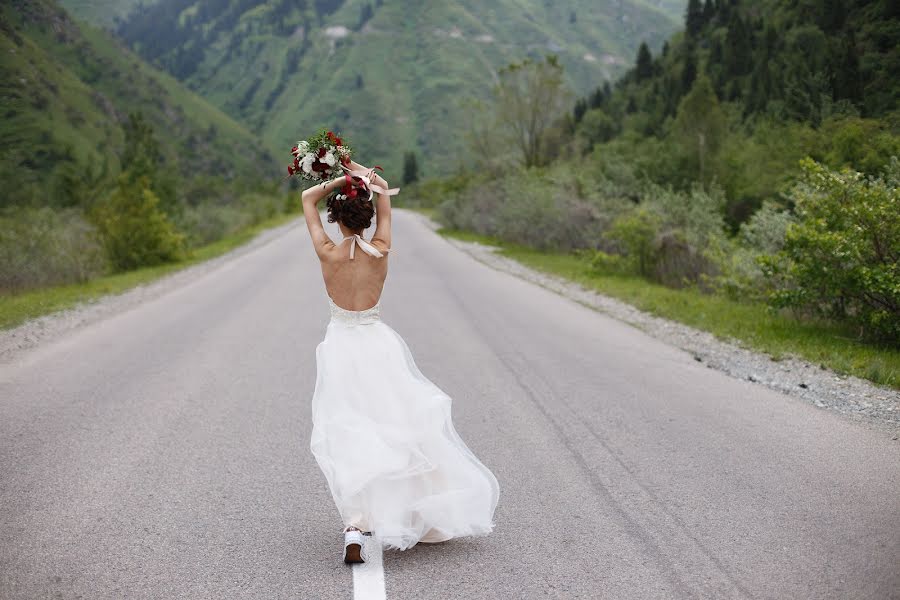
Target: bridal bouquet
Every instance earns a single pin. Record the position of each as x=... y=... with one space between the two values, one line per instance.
x=320 y=157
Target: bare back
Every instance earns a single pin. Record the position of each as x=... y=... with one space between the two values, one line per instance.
x=353 y=284
x=354 y=269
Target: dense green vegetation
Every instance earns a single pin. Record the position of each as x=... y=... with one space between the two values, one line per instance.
x=108 y=164
x=750 y=88
x=751 y=162
x=393 y=76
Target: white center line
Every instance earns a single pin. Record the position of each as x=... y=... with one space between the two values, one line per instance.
x=368 y=577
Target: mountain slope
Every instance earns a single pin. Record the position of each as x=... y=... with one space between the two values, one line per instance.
x=68 y=88
x=751 y=87
x=391 y=75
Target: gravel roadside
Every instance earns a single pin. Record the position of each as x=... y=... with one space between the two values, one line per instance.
x=857 y=399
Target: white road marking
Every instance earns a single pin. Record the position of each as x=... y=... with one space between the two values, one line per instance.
x=368 y=577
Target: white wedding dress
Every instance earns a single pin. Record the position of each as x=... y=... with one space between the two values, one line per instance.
x=384 y=439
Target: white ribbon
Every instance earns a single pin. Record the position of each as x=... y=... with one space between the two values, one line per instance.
x=366 y=246
x=367 y=181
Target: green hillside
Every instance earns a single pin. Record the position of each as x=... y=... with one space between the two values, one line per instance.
x=785 y=80
x=392 y=75
x=67 y=89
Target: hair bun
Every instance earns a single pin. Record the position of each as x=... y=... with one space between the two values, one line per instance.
x=354 y=212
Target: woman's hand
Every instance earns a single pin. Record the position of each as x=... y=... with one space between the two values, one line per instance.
x=355 y=166
x=373 y=176
x=379 y=180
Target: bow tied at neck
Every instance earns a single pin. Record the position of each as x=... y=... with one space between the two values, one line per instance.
x=366 y=246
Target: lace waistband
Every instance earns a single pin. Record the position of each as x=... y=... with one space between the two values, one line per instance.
x=354 y=317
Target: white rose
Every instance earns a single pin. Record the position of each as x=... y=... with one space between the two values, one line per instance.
x=329 y=159
x=303 y=146
x=306 y=163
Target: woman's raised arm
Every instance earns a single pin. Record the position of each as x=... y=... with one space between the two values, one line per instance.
x=382 y=235
x=310 y=200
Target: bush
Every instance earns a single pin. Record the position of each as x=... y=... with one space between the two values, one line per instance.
x=636 y=233
x=841 y=259
x=547 y=210
x=133 y=230
x=672 y=237
x=43 y=246
x=210 y=221
x=741 y=274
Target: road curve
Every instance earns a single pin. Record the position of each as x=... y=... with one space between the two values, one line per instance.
x=163 y=452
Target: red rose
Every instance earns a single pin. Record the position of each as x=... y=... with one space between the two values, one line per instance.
x=322 y=152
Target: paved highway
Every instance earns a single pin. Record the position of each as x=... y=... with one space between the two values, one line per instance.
x=163 y=452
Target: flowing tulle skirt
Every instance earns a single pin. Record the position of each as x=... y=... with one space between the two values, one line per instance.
x=383 y=437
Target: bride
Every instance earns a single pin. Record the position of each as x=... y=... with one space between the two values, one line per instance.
x=382 y=432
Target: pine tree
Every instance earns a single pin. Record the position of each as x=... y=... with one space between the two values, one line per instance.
x=846 y=81
x=689 y=71
x=579 y=110
x=598 y=98
x=693 y=18
x=631 y=105
x=738 y=48
x=709 y=11
x=410 y=168
x=644 y=67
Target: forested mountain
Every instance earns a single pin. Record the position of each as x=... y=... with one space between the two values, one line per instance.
x=68 y=90
x=392 y=75
x=760 y=84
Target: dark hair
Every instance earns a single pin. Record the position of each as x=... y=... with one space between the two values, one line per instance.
x=354 y=213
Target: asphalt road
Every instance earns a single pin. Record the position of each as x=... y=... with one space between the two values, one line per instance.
x=163 y=452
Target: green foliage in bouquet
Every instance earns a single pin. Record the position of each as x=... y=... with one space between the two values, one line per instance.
x=326 y=137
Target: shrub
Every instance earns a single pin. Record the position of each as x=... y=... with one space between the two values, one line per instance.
x=133 y=230
x=672 y=237
x=636 y=234
x=841 y=259
x=43 y=246
x=547 y=210
x=741 y=274
x=209 y=222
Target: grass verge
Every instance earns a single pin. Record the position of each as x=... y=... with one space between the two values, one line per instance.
x=18 y=308
x=751 y=324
